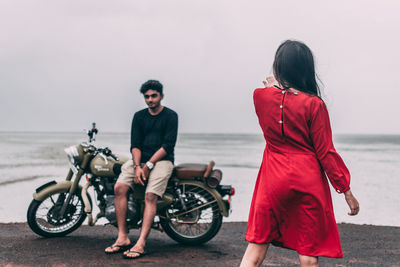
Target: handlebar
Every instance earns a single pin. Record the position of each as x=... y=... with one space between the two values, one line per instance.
x=103 y=151
x=107 y=152
x=114 y=157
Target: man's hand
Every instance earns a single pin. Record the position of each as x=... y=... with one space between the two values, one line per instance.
x=146 y=172
x=140 y=175
x=352 y=202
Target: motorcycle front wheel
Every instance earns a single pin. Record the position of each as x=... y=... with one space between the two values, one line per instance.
x=44 y=216
x=196 y=220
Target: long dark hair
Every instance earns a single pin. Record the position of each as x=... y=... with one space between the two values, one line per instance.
x=294 y=67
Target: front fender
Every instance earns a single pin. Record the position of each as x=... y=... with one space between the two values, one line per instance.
x=51 y=188
x=213 y=192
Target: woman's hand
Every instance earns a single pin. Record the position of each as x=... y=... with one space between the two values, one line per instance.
x=270 y=81
x=352 y=202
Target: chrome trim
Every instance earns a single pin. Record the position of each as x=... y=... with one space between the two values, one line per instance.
x=104 y=157
x=73 y=156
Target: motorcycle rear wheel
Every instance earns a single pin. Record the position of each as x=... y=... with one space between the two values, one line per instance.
x=195 y=227
x=43 y=216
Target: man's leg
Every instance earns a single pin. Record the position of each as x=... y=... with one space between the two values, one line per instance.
x=148 y=218
x=121 y=207
x=121 y=190
x=156 y=186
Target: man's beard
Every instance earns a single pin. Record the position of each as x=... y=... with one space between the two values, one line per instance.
x=153 y=107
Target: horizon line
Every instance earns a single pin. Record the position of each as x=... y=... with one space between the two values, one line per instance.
x=216 y=133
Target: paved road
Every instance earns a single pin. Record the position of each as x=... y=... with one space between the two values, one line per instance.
x=363 y=245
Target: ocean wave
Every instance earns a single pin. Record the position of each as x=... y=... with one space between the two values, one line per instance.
x=30 y=164
x=24 y=179
x=369 y=149
x=246 y=166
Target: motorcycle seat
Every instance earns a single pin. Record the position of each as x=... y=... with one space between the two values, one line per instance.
x=190 y=170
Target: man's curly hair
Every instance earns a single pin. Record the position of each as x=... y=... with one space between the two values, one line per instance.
x=152 y=85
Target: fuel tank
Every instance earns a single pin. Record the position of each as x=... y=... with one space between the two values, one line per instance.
x=106 y=168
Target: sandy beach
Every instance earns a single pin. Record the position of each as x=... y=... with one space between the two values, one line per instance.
x=363 y=245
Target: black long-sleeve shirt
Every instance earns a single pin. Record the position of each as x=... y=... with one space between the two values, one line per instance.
x=149 y=133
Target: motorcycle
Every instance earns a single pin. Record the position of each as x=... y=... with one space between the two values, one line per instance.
x=189 y=212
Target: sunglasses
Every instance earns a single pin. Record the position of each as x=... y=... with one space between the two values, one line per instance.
x=152 y=96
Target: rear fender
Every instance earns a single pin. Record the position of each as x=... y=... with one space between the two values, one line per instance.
x=213 y=192
x=52 y=188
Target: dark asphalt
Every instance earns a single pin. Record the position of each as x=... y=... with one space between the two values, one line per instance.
x=363 y=245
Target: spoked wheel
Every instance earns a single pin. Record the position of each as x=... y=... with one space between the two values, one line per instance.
x=195 y=222
x=46 y=218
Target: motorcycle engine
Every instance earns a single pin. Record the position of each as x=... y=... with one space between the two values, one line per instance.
x=132 y=215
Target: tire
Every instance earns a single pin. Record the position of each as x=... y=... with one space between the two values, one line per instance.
x=209 y=216
x=43 y=216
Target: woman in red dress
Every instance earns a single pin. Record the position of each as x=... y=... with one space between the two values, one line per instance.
x=292 y=205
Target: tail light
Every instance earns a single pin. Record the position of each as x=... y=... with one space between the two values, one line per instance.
x=226 y=190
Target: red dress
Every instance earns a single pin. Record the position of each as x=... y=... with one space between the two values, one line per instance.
x=292 y=205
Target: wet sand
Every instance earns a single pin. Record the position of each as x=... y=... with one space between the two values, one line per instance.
x=363 y=245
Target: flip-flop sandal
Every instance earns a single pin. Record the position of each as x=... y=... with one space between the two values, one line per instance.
x=121 y=249
x=141 y=254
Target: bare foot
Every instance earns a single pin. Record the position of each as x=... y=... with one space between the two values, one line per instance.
x=118 y=246
x=135 y=252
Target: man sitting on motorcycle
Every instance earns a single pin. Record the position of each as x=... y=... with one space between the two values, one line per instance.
x=153 y=137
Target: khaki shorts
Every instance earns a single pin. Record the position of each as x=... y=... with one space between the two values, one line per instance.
x=158 y=178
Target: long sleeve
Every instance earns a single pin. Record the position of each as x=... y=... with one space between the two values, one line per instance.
x=321 y=136
x=136 y=133
x=171 y=133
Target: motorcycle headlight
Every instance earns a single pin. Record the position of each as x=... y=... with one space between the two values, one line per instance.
x=75 y=154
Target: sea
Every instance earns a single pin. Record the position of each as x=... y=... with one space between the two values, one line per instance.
x=30 y=159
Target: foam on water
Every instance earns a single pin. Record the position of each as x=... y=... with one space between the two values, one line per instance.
x=31 y=159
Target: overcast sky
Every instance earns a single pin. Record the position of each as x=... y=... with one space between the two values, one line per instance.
x=64 y=64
